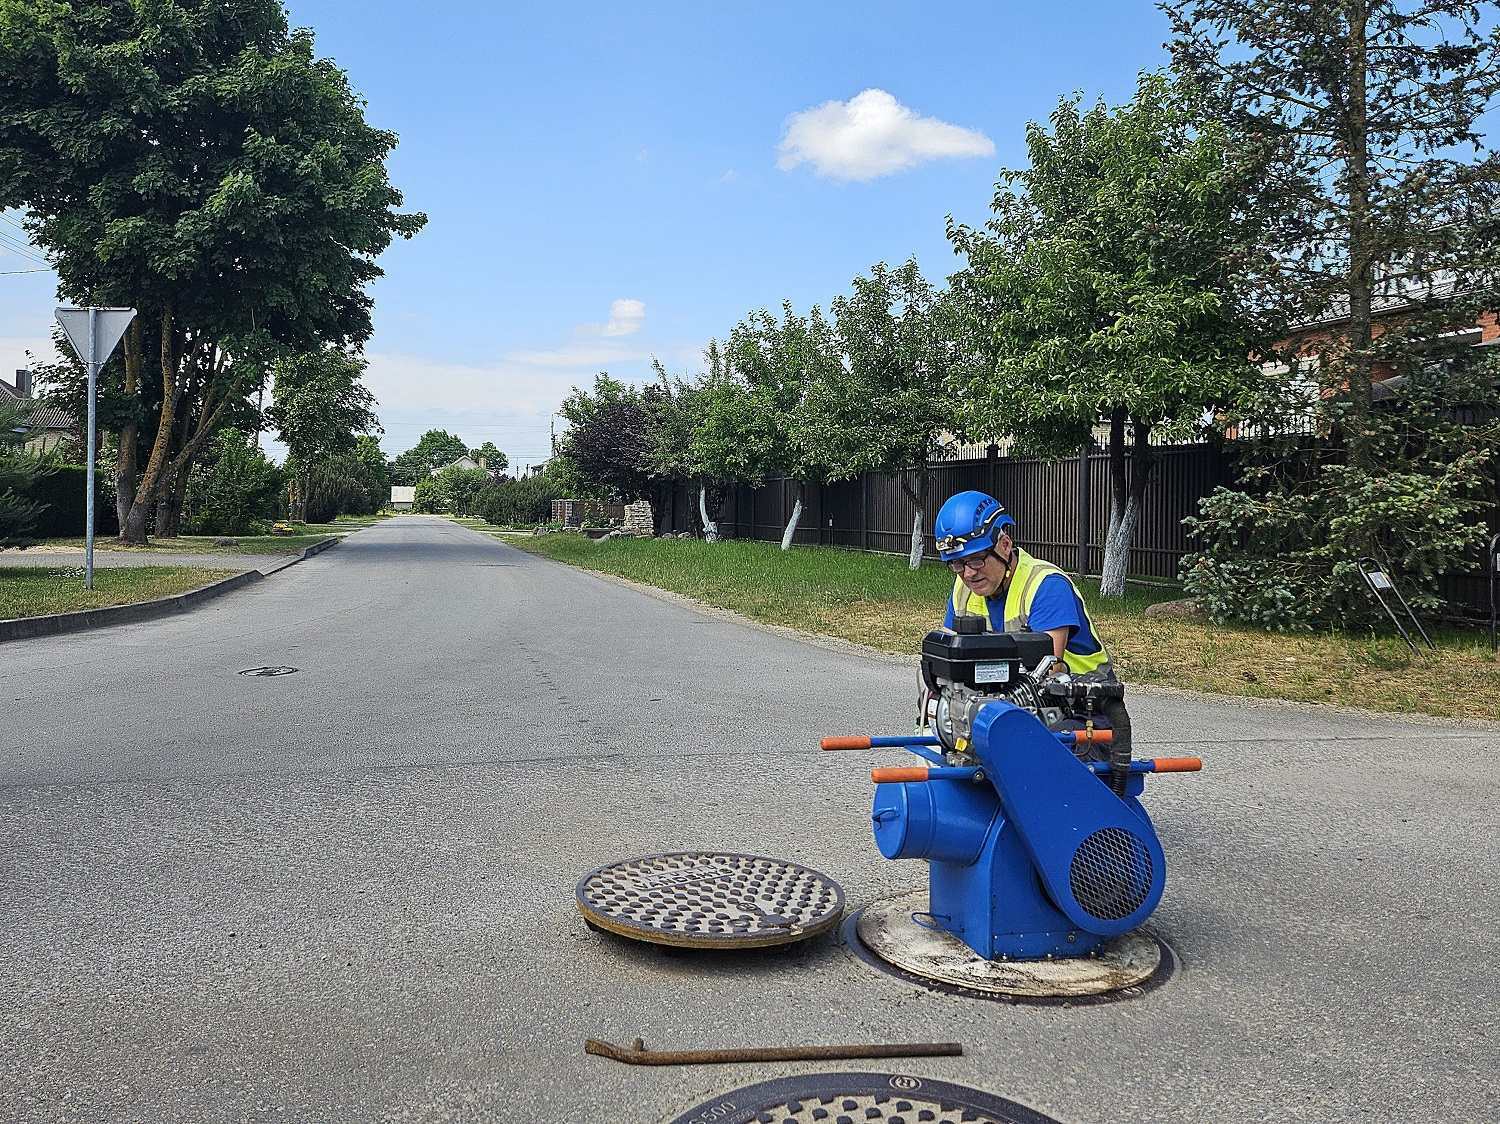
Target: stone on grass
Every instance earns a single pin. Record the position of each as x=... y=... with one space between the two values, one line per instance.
x=1185 y=609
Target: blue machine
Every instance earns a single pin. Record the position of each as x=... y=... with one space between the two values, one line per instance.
x=1033 y=850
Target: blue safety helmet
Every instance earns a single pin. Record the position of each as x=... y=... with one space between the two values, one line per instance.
x=968 y=524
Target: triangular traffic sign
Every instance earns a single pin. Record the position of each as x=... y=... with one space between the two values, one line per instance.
x=108 y=329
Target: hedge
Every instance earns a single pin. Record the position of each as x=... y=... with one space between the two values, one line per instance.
x=61 y=494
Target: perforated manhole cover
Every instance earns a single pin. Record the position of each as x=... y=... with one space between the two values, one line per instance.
x=858 y=1098
x=268 y=671
x=698 y=899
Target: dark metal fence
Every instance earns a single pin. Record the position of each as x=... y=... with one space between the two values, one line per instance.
x=874 y=513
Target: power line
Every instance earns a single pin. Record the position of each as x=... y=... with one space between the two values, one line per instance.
x=14 y=272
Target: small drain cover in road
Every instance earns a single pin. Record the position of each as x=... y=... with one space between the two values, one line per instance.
x=856 y=1098
x=268 y=671
x=698 y=899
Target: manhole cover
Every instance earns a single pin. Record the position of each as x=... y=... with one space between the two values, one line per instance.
x=856 y=1098
x=268 y=671
x=886 y=935
x=710 y=900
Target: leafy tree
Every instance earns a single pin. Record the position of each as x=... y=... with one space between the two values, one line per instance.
x=18 y=468
x=780 y=359
x=609 y=437
x=320 y=409
x=196 y=160
x=730 y=442
x=232 y=488
x=460 y=487
x=490 y=457
x=1367 y=115
x=431 y=495
x=434 y=449
x=1109 y=284
x=373 y=471
x=884 y=408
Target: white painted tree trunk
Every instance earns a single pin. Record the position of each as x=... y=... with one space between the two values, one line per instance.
x=710 y=528
x=914 y=560
x=791 y=524
x=1117 y=548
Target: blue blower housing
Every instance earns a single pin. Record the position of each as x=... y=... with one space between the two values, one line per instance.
x=1031 y=854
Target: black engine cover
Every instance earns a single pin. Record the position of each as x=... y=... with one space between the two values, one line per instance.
x=985 y=660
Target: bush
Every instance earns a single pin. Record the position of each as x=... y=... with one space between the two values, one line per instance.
x=519 y=503
x=59 y=492
x=430 y=496
x=232 y=489
x=1281 y=549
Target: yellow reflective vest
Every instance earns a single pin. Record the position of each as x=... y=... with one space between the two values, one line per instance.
x=1024 y=583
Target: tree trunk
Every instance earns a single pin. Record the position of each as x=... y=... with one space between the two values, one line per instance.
x=710 y=527
x=1126 y=501
x=129 y=435
x=133 y=528
x=791 y=524
x=918 y=498
x=1121 y=517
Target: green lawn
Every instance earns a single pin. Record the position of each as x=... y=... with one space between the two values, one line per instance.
x=204 y=544
x=876 y=600
x=32 y=591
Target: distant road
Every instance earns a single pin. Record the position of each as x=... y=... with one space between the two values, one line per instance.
x=345 y=893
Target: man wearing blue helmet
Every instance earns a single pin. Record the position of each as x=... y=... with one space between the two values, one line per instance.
x=1009 y=589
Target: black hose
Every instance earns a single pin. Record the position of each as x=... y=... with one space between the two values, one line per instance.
x=1119 y=746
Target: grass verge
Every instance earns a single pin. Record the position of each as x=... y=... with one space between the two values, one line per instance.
x=204 y=544
x=32 y=591
x=876 y=600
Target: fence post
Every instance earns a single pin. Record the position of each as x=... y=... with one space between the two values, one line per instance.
x=864 y=511
x=1084 y=506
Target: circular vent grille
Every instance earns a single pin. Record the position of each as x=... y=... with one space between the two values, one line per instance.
x=1110 y=875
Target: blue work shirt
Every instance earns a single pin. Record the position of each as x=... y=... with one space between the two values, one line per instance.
x=1055 y=604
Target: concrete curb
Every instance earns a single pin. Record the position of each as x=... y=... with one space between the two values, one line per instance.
x=24 y=628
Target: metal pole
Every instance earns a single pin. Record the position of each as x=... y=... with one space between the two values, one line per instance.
x=88 y=500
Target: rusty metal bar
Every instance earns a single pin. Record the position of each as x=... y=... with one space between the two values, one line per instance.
x=637 y=1054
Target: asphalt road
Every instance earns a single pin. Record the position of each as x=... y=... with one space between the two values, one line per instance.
x=345 y=894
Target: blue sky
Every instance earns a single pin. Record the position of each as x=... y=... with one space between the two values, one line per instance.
x=609 y=182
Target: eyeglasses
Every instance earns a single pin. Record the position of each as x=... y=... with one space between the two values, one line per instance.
x=973 y=562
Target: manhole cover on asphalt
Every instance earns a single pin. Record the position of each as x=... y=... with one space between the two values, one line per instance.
x=698 y=899
x=857 y=1098
x=268 y=671
x=886 y=935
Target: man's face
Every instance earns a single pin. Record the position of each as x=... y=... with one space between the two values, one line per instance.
x=987 y=579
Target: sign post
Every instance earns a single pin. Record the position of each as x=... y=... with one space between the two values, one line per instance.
x=94 y=334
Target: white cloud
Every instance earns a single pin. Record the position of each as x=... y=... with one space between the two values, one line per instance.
x=729 y=176
x=625 y=317
x=872 y=135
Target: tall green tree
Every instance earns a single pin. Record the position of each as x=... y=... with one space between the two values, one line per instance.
x=433 y=450
x=886 y=406
x=196 y=160
x=609 y=438
x=1109 y=286
x=730 y=441
x=490 y=457
x=1369 y=118
x=1366 y=117
x=780 y=359
x=320 y=408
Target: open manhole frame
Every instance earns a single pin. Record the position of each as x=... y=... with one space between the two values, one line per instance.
x=856 y=948
x=794 y=934
x=749 y=1103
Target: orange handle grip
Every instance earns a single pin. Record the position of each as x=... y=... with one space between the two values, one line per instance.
x=1100 y=737
x=849 y=742
x=886 y=774
x=1178 y=764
